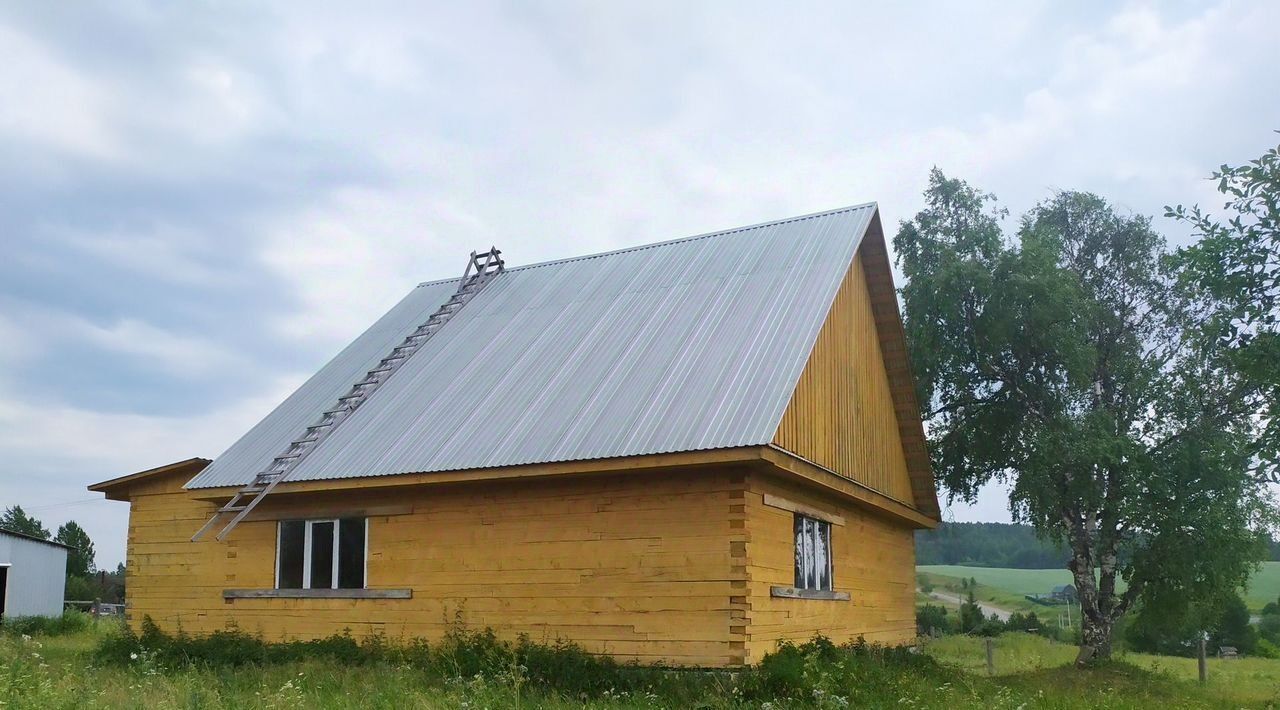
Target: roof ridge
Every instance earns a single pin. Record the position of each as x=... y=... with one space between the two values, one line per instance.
x=680 y=240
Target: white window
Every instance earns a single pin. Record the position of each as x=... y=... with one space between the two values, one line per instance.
x=813 y=553
x=321 y=554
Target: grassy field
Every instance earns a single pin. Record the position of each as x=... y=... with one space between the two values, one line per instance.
x=1023 y=659
x=1015 y=583
x=62 y=672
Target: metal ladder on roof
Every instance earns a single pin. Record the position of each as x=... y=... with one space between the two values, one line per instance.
x=481 y=268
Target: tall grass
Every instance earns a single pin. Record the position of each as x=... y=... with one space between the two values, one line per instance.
x=475 y=669
x=71 y=622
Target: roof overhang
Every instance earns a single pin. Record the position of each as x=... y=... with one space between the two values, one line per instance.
x=32 y=538
x=902 y=384
x=118 y=488
x=766 y=459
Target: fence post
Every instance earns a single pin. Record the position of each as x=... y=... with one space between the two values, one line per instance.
x=95 y=610
x=991 y=656
x=1201 y=662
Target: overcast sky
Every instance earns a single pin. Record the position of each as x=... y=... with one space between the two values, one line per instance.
x=200 y=203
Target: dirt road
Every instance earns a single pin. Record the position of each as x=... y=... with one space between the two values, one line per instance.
x=955 y=600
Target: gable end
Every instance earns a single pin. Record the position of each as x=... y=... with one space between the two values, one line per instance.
x=854 y=410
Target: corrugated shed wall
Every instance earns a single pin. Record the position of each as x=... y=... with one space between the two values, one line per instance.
x=36 y=578
x=842 y=414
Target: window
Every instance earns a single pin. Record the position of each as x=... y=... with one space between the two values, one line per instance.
x=321 y=554
x=813 y=554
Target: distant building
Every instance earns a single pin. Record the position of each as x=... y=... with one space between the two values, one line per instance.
x=33 y=575
x=1064 y=593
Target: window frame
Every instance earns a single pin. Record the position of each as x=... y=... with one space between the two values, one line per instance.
x=819 y=533
x=334 y=580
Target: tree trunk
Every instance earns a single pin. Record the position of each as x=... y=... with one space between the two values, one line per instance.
x=1095 y=634
x=1096 y=620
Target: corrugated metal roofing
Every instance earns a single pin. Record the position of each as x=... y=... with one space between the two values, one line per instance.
x=679 y=346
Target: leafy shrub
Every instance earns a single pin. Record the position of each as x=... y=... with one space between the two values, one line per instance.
x=562 y=666
x=70 y=622
x=1266 y=649
x=930 y=617
x=820 y=673
x=812 y=673
x=1269 y=627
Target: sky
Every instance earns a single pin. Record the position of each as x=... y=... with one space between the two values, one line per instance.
x=201 y=203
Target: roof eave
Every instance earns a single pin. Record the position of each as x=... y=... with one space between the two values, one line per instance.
x=117 y=488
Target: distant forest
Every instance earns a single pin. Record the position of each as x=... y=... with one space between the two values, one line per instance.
x=996 y=545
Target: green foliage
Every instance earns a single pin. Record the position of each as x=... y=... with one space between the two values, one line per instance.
x=949 y=673
x=1269 y=627
x=931 y=618
x=971 y=618
x=1267 y=649
x=70 y=622
x=1029 y=623
x=1059 y=361
x=821 y=674
x=561 y=666
x=988 y=545
x=80 y=556
x=1233 y=628
x=1226 y=621
x=16 y=519
x=80 y=589
x=1232 y=272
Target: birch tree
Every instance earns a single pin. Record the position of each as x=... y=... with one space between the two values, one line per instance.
x=1058 y=361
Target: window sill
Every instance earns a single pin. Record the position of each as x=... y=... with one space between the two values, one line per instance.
x=797 y=593
x=230 y=594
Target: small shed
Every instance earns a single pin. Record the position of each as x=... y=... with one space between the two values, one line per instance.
x=33 y=575
x=1064 y=593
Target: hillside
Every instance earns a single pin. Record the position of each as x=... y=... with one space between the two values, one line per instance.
x=1263 y=588
x=997 y=545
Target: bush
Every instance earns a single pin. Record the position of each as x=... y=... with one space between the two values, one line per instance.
x=853 y=675
x=1269 y=628
x=561 y=666
x=69 y=623
x=932 y=617
x=820 y=673
x=1266 y=649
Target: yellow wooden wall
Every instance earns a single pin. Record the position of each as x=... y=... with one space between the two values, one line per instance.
x=841 y=415
x=643 y=567
x=872 y=559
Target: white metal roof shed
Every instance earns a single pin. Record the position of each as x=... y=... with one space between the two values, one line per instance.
x=33 y=575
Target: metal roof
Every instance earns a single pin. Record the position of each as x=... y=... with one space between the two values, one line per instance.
x=691 y=344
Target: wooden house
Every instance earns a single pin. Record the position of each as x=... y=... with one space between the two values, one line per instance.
x=682 y=453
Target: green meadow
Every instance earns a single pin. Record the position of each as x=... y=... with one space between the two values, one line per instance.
x=1016 y=583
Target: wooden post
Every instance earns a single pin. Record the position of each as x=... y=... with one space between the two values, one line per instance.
x=991 y=656
x=1201 y=662
x=96 y=602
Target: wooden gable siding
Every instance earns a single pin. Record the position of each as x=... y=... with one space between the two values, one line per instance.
x=873 y=560
x=842 y=415
x=641 y=568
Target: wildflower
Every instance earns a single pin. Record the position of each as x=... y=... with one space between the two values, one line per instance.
x=133 y=656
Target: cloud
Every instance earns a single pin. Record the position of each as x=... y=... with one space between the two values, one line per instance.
x=53 y=451
x=201 y=204
x=60 y=110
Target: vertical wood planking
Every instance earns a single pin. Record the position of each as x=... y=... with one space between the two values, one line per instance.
x=842 y=414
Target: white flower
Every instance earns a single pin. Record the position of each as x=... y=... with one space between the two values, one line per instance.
x=133 y=656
